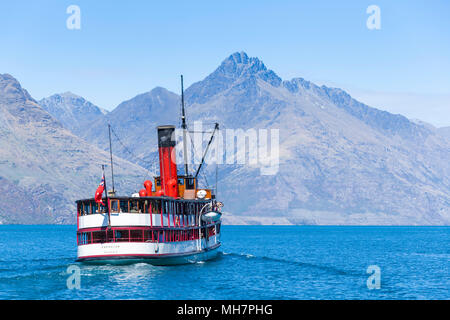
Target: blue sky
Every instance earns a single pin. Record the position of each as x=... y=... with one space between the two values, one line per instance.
x=128 y=47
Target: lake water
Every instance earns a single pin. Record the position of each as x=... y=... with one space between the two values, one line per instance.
x=258 y=262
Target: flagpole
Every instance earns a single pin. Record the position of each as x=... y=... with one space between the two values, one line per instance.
x=107 y=200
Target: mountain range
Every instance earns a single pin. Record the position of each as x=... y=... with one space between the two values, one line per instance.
x=341 y=161
x=44 y=167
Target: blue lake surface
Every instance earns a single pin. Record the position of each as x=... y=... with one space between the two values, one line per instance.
x=258 y=262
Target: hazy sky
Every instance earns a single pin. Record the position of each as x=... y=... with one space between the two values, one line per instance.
x=128 y=47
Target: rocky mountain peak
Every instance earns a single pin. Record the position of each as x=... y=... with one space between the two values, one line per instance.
x=240 y=65
x=238 y=70
x=11 y=90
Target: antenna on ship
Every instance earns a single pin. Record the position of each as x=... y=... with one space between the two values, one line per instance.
x=184 y=127
x=110 y=155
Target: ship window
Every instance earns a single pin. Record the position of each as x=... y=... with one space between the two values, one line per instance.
x=134 y=206
x=103 y=208
x=122 y=235
x=143 y=206
x=123 y=206
x=114 y=205
x=150 y=236
x=87 y=208
x=181 y=182
x=109 y=236
x=94 y=208
x=158 y=206
x=190 y=183
x=153 y=208
x=136 y=235
x=98 y=236
x=83 y=238
x=147 y=206
x=80 y=238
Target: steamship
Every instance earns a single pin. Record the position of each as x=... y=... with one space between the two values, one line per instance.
x=171 y=221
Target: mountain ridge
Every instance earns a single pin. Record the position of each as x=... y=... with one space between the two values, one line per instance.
x=44 y=167
x=341 y=161
x=73 y=111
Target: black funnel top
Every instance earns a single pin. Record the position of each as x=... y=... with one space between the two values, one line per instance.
x=166 y=136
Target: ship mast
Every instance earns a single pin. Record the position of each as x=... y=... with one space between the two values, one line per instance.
x=184 y=127
x=110 y=155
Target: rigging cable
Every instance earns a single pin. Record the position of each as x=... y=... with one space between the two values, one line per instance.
x=195 y=156
x=139 y=159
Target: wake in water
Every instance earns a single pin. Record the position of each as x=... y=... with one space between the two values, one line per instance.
x=325 y=268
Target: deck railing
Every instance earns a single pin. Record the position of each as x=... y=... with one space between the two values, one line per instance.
x=141 y=205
